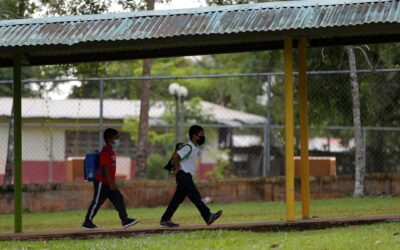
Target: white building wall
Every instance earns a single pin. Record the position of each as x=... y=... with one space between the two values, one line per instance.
x=38 y=144
x=3 y=146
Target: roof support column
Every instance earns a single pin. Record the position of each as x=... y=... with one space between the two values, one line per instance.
x=289 y=129
x=304 y=160
x=17 y=143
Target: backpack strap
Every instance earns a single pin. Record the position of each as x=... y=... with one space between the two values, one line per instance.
x=188 y=154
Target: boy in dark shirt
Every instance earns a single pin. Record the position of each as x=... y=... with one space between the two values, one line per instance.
x=104 y=184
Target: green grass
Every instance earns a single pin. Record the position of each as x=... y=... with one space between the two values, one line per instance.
x=377 y=236
x=188 y=214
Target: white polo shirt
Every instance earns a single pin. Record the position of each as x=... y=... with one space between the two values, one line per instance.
x=188 y=165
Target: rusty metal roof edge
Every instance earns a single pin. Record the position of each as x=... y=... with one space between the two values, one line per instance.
x=238 y=7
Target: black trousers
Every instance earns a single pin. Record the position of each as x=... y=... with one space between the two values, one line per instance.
x=185 y=187
x=101 y=193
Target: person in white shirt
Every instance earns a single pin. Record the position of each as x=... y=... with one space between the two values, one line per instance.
x=184 y=161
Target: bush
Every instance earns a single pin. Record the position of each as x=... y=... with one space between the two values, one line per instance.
x=155 y=164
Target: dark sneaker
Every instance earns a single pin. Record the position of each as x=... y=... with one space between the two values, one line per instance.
x=168 y=223
x=129 y=222
x=214 y=217
x=88 y=225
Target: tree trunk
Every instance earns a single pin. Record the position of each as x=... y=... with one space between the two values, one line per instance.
x=142 y=147
x=9 y=173
x=358 y=134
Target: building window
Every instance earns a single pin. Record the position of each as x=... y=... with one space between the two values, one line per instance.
x=79 y=143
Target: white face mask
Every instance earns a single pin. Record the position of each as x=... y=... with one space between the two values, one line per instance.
x=116 y=143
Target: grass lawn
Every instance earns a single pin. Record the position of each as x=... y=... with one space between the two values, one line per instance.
x=378 y=236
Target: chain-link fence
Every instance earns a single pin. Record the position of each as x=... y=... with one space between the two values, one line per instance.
x=242 y=115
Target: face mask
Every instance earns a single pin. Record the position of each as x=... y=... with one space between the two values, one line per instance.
x=201 y=140
x=116 y=143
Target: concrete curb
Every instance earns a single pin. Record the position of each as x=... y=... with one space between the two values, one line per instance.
x=271 y=226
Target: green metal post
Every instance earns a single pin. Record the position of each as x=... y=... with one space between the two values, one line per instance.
x=17 y=145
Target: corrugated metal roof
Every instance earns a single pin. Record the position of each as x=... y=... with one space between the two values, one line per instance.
x=198 y=31
x=118 y=110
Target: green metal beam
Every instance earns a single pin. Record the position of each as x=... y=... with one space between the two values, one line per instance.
x=17 y=144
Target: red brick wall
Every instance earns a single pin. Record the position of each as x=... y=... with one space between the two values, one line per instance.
x=34 y=172
x=38 y=172
x=69 y=196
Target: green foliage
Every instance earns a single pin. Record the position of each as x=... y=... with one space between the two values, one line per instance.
x=136 y=5
x=9 y=9
x=193 y=112
x=228 y=2
x=154 y=168
x=221 y=167
x=75 y=7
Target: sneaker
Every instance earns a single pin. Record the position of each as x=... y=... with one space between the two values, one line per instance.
x=168 y=223
x=88 y=225
x=129 y=222
x=214 y=217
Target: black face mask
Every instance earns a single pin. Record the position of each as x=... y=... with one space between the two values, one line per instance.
x=201 y=140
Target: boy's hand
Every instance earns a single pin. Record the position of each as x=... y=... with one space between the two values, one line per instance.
x=176 y=171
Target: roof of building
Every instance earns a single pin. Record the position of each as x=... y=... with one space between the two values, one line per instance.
x=119 y=109
x=246 y=27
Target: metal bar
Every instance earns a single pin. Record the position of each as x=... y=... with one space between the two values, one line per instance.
x=267 y=132
x=17 y=144
x=328 y=72
x=265 y=149
x=101 y=118
x=181 y=118
x=273 y=126
x=304 y=160
x=176 y=119
x=289 y=129
x=51 y=155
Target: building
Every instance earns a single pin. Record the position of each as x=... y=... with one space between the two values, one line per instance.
x=54 y=131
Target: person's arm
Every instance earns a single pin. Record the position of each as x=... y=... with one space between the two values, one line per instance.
x=179 y=155
x=107 y=174
x=176 y=161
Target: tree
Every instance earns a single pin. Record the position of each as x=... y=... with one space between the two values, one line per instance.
x=142 y=145
x=358 y=134
x=75 y=7
x=9 y=173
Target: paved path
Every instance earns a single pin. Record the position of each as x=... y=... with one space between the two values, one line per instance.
x=267 y=226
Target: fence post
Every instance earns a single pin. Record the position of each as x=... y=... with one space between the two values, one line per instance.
x=304 y=161
x=101 y=127
x=289 y=129
x=17 y=144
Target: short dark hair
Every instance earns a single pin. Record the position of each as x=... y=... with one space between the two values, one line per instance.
x=109 y=133
x=194 y=130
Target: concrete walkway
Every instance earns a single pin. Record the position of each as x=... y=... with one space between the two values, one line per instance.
x=310 y=224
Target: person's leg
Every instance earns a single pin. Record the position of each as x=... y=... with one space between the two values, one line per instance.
x=117 y=200
x=99 y=196
x=177 y=199
x=194 y=195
